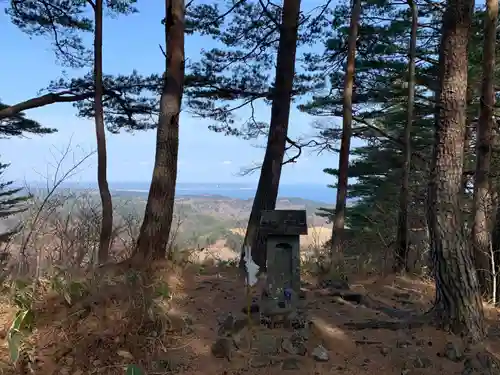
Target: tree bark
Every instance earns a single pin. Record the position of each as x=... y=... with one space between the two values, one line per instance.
x=102 y=180
x=270 y=173
x=468 y=138
x=155 y=230
x=483 y=208
x=401 y=260
x=458 y=305
x=345 y=143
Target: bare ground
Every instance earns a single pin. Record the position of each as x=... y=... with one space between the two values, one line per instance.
x=118 y=324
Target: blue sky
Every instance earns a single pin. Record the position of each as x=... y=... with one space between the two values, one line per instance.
x=130 y=42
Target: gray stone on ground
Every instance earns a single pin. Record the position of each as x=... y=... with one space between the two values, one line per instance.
x=403 y=344
x=260 y=361
x=222 y=348
x=242 y=341
x=454 y=351
x=320 y=354
x=384 y=351
x=267 y=344
x=290 y=364
x=231 y=325
x=421 y=361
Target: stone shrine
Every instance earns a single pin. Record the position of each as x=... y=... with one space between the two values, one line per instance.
x=282 y=230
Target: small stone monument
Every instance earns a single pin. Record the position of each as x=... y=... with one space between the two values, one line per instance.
x=282 y=229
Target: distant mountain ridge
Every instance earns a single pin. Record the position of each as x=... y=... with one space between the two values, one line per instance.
x=203 y=215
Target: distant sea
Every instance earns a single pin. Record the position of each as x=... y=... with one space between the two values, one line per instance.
x=314 y=192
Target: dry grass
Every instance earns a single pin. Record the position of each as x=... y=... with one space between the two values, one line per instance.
x=167 y=321
x=316 y=236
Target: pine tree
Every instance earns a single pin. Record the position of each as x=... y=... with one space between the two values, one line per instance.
x=18 y=124
x=458 y=306
x=11 y=203
x=131 y=101
x=380 y=112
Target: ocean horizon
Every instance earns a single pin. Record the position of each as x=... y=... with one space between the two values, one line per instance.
x=314 y=192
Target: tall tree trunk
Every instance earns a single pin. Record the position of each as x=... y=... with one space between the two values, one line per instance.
x=102 y=180
x=155 y=229
x=483 y=209
x=270 y=173
x=458 y=305
x=345 y=143
x=401 y=261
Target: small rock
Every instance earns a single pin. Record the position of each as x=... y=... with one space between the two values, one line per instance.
x=287 y=346
x=403 y=344
x=320 y=354
x=267 y=344
x=260 y=361
x=232 y=325
x=290 y=364
x=293 y=346
x=453 y=351
x=69 y=361
x=384 y=351
x=241 y=340
x=421 y=362
x=222 y=348
x=125 y=354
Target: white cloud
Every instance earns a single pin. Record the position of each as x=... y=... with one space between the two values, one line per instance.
x=227 y=162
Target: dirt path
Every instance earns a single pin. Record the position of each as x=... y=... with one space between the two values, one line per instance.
x=335 y=323
x=176 y=334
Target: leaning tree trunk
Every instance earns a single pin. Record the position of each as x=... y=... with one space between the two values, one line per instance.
x=458 y=305
x=402 y=243
x=267 y=189
x=155 y=229
x=102 y=180
x=483 y=208
x=345 y=143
